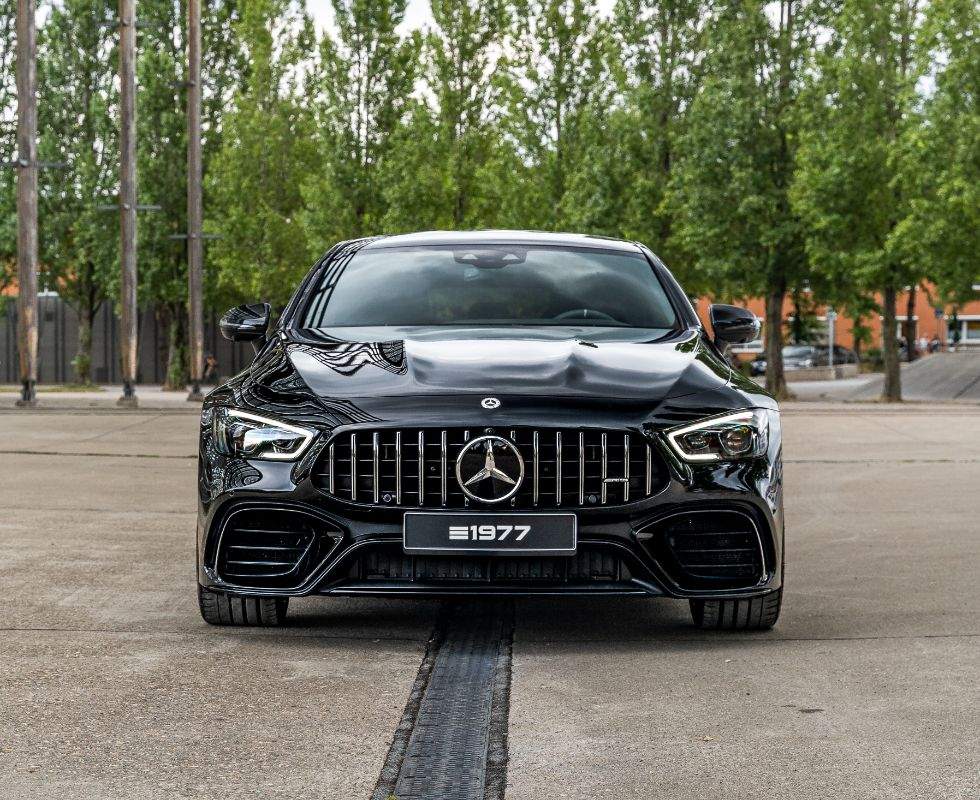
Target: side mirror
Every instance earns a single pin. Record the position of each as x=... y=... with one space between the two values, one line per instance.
x=734 y=325
x=246 y=323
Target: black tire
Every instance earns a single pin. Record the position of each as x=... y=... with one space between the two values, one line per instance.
x=218 y=608
x=751 y=614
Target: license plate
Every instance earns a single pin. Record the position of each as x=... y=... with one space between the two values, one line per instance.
x=510 y=534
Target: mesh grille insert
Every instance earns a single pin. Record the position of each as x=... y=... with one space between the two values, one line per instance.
x=590 y=565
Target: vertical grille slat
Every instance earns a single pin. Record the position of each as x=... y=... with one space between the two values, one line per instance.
x=353 y=467
x=398 y=467
x=536 y=465
x=605 y=470
x=626 y=468
x=421 y=490
x=376 y=467
x=443 y=466
x=558 y=468
x=563 y=468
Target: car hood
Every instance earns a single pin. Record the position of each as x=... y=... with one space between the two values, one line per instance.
x=599 y=363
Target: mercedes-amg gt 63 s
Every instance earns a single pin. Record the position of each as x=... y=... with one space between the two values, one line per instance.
x=491 y=413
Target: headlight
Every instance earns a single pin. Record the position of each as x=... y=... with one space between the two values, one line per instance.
x=238 y=433
x=744 y=434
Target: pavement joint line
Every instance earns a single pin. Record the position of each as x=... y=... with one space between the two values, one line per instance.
x=100 y=411
x=92 y=455
x=967 y=388
x=78 y=510
x=760 y=639
x=281 y=633
x=881 y=460
x=785 y=460
x=141 y=421
x=451 y=741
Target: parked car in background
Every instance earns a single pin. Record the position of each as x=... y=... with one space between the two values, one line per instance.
x=804 y=356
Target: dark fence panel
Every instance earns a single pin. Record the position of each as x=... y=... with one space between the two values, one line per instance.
x=58 y=344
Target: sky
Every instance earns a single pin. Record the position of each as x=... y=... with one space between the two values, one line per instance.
x=416 y=15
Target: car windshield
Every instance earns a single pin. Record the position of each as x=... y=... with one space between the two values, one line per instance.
x=802 y=351
x=490 y=285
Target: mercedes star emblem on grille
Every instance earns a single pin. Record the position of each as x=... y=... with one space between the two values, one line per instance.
x=490 y=403
x=490 y=469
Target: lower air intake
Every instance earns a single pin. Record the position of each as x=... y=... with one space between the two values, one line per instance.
x=588 y=566
x=708 y=549
x=275 y=547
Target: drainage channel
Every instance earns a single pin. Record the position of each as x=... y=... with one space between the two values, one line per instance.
x=451 y=743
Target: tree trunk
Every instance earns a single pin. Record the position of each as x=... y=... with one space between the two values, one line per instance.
x=892 y=390
x=175 y=379
x=908 y=328
x=83 y=357
x=775 y=375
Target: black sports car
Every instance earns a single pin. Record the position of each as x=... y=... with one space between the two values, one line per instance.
x=492 y=413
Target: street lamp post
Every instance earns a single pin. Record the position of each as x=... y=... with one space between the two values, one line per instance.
x=831 y=319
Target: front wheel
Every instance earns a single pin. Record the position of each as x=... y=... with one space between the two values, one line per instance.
x=751 y=614
x=218 y=608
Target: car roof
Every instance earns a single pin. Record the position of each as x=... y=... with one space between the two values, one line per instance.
x=501 y=237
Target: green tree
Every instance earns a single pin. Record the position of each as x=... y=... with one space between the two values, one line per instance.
x=940 y=159
x=551 y=79
x=655 y=54
x=78 y=243
x=162 y=153
x=849 y=187
x=266 y=150
x=734 y=164
x=360 y=92
x=436 y=168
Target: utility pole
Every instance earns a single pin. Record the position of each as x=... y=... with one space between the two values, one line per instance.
x=195 y=210
x=127 y=200
x=27 y=200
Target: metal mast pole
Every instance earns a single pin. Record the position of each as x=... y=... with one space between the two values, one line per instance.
x=27 y=200
x=195 y=211
x=127 y=199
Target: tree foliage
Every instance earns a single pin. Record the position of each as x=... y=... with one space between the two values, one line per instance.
x=267 y=151
x=736 y=160
x=849 y=187
x=794 y=149
x=75 y=119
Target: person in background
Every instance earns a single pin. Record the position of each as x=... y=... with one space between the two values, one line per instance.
x=210 y=368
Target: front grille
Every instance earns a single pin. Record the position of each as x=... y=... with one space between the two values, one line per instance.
x=416 y=467
x=589 y=565
x=708 y=548
x=272 y=547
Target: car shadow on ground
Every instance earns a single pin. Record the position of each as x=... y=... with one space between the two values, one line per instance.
x=628 y=620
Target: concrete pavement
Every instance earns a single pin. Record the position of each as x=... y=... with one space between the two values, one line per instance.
x=113 y=687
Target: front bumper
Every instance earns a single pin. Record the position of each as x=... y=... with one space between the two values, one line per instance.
x=622 y=550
